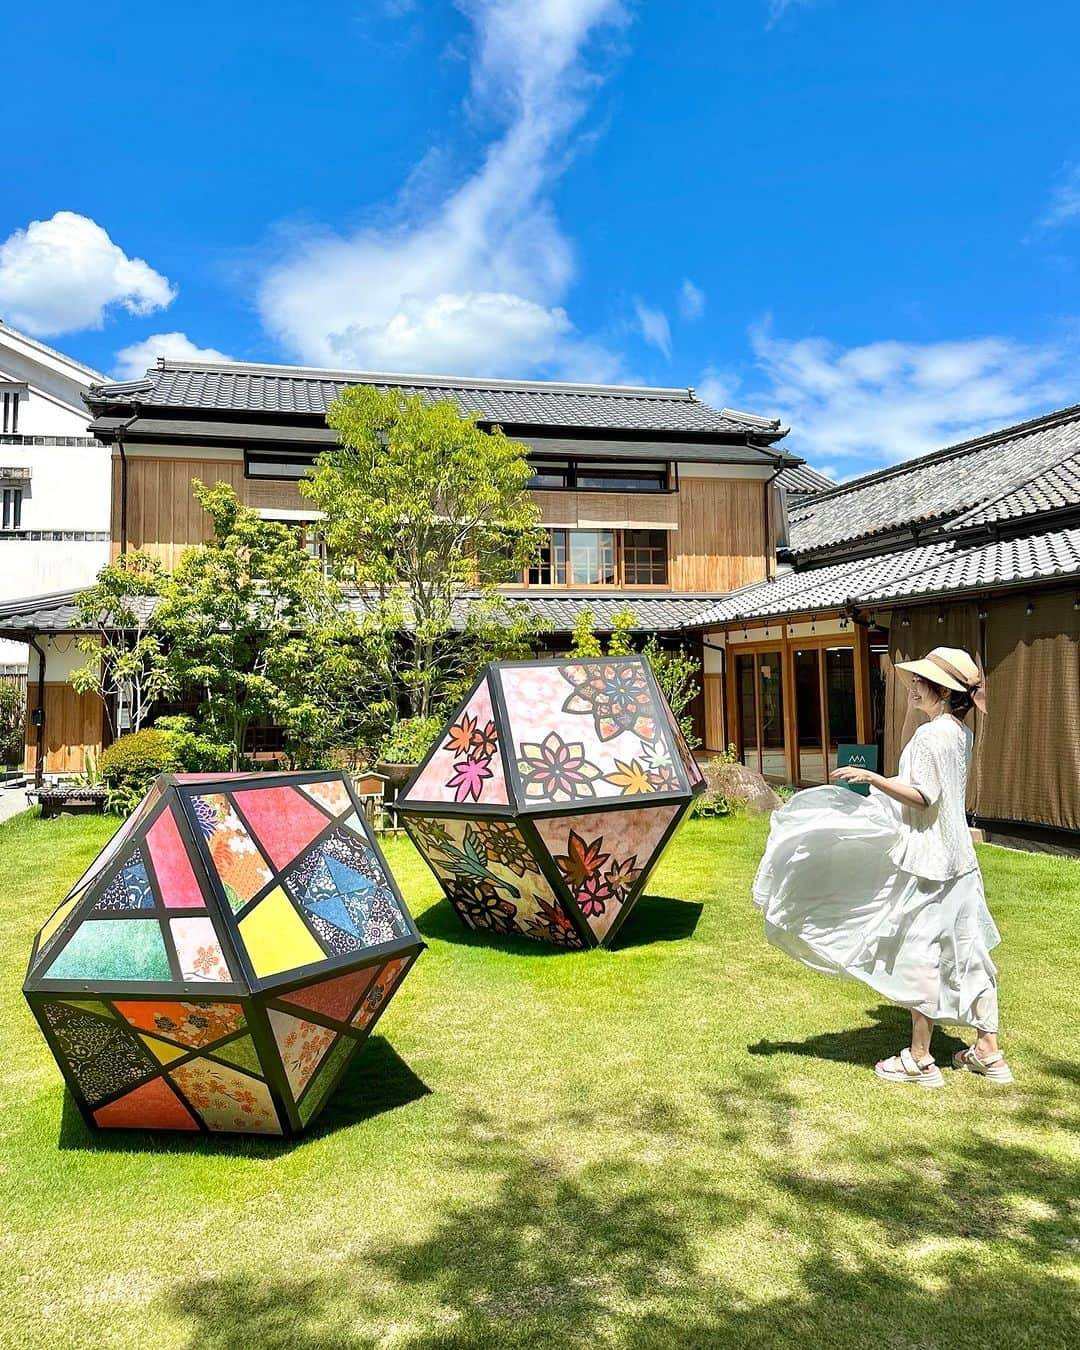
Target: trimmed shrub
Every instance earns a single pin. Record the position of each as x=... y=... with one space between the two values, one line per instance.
x=129 y=766
x=194 y=752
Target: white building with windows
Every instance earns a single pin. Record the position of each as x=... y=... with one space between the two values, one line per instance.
x=54 y=477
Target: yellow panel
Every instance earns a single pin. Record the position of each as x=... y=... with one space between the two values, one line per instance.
x=55 y=920
x=161 y=1050
x=276 y=937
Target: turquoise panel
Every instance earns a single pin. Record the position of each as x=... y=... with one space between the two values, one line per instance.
x=113 y=949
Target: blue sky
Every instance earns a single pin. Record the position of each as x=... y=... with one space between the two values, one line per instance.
x=863 y=217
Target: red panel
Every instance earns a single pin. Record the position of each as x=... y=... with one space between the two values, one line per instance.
x=335 y=998
x=154 y=1106
x=179 y=888
x=283 y=819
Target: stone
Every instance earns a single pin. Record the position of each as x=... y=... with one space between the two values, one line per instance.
x=549 y=797
x=741 y=787
x=224 y=957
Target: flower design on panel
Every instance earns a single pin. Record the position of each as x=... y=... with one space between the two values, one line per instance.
x=555 y=770
x=473 y=745
x=491 y=878
x=227 y=1099
x=595 y=878
x=237 y=860
x=617 y=696
x=102 y=1056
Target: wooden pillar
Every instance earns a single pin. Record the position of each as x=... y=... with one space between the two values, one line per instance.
x=791 y=737
x=864 y=728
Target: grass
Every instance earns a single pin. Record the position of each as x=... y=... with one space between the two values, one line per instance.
x=679 y=1142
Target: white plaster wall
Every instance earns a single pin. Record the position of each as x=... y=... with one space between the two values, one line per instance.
x=69 y=485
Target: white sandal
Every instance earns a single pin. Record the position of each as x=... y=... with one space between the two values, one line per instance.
x=903 y=1068
x=994 y=1068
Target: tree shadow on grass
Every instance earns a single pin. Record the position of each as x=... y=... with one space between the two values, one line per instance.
x=542 y=1249
x=864 y=1045
x=377 y=1080
x=658 y=918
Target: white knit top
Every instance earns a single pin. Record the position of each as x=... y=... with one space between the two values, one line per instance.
x=935 y=842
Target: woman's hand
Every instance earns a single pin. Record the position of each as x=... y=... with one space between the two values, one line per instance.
x=850 y=774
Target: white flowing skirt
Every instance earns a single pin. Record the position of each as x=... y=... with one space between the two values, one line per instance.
x=833 y=899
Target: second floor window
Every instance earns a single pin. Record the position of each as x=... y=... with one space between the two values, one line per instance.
x=12 y=508
x=9 y=412
x=602 y=558
x=263 y=464
x=597 y=476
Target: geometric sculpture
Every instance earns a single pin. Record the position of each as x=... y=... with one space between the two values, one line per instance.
x=224 y=957
x=549 y=797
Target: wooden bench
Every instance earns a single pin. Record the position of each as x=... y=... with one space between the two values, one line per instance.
x=56 y=797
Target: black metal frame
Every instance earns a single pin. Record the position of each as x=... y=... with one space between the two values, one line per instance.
x=254 y=995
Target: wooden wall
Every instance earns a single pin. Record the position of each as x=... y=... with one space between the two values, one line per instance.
x=721 y=543
x=163 y=516
x=73 y=725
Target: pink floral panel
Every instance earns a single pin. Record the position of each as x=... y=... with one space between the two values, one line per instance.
x=467 y=766
x=334 y=795
x=603 y=854
x=198 y=950
x=301 y=1045
x=589 y=730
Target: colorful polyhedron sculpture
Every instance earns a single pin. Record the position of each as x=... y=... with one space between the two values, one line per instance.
x=224 y=957
x=549 y=798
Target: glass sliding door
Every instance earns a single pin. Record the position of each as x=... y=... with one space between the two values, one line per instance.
x=770 y=687
x=744 y=683
x=808 y=721
x=840 y=699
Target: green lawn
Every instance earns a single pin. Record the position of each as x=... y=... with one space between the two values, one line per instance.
x=677 y=1143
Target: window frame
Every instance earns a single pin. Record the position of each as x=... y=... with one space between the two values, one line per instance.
x=278 y=457
x=554 y=568
x=622 y=473
x=11 y=509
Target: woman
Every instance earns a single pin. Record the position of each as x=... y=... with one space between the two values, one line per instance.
x=886 y=889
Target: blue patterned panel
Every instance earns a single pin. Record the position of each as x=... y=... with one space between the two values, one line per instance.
x=345 y=895
x=130 y=888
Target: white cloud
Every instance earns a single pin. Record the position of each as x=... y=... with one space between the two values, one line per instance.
x=778 y=8
x=887 y=401
x=61 y=275
x=691 y=300
x=478 y=283
x=654 y=327
x=134 y=361
x=716 y=386
x=1064 y=204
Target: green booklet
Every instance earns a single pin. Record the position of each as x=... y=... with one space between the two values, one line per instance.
x=860 y=757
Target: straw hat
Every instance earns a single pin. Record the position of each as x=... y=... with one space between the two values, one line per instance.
x=950 y=667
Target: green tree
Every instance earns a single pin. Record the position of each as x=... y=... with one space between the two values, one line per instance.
x=126 y=662
x=254 y=629
x=12 y=722
x=427 y=515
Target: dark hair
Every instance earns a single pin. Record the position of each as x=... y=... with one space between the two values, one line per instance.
x=960 y=701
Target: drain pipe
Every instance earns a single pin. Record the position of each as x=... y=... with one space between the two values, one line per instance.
x=770 y=554
x=124 y=478
x=39 y=716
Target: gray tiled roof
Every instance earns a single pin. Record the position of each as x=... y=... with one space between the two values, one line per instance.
x=1053 y=489
x=931 y=570
x=58 y=613
x=1005 y=562
x=820 y=588
x=299 y=391
x=800 y=479
x=935 y=487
